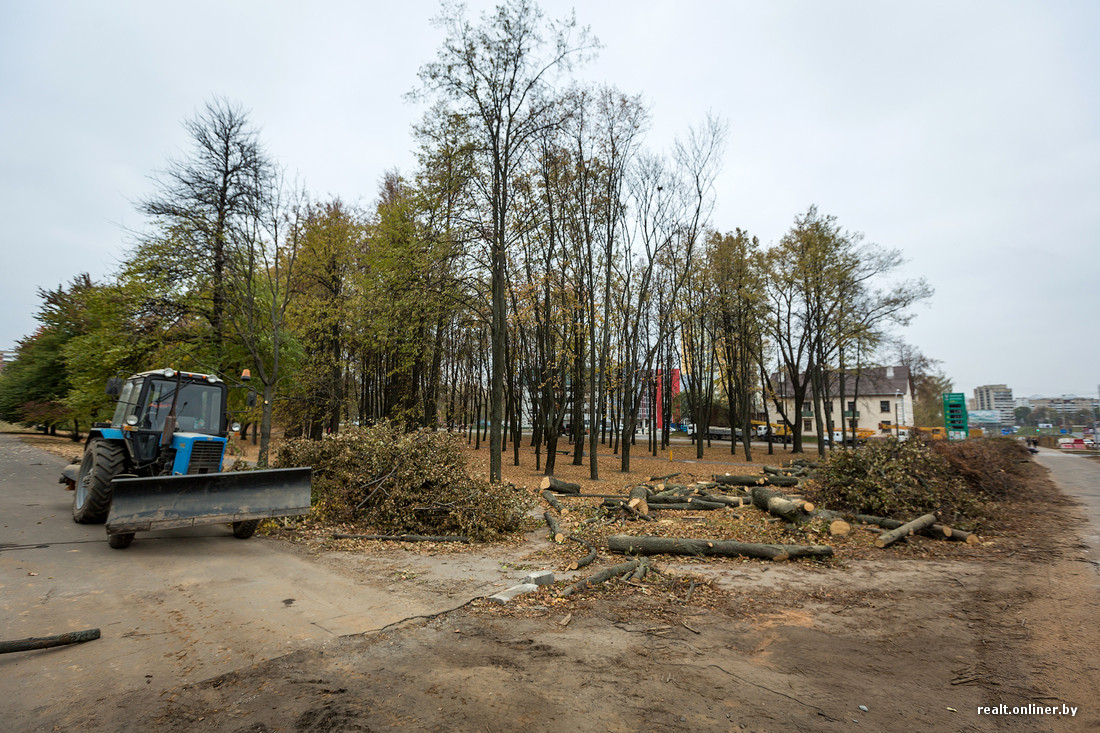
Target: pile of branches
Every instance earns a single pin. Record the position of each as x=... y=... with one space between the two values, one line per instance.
x=404 y=483
x=899 y=479
x=996 y=468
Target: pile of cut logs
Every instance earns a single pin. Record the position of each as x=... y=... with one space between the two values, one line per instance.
x=761 y=491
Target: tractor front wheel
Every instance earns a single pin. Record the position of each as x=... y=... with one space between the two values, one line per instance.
x=103 y=460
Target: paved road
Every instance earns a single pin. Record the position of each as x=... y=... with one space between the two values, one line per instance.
x=1079 y=478
x=177 y=606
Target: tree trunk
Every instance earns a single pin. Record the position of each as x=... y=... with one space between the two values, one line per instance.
x=778 y=505
x=553 y=501
x=628 y=545
x=888 y=538
x=556 y=534
x=559 y=486
x=402 y=537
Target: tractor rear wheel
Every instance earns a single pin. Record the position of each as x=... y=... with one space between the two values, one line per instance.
x=244 y=530
x=103 y=460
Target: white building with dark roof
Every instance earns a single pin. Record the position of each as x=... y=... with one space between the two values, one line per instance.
x=877 y=398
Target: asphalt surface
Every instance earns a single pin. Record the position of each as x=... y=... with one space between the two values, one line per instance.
x=177 y=606
x=1078 y=476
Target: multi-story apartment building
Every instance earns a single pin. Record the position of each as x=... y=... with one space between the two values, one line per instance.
x=1064 y=405
x=996 y=397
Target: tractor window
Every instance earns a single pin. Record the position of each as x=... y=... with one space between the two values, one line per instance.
x=198 y=407
x=127 y=402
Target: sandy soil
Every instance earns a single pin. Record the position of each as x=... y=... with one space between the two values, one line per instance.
x=920 y=636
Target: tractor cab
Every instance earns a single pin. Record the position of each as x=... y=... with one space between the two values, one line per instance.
x=161 y=415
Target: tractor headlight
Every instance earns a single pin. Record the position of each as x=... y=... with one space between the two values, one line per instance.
x=169 y=373
x=235 y=427
x=132 y=420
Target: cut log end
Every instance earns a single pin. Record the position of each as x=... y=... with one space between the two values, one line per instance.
x=839 y=528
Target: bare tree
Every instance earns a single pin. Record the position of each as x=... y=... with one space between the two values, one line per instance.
x=498 y=73
x=209 y=198
x=260 y=293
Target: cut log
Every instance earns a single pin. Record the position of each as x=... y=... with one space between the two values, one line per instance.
x=731 y=501
x=757 y=480
x=776 y=504
x=559 y=486
x=839 y=528
x=662 y=478
x=625 y=506
x=888 y=538
x=680 y=491
x=553 y=501
x=638 y=496
x=555 y=529
x=727 y=480
x=587 y=559
x=693 y=505
x=600 y=577
x=46 y=642
x=403 y=537
x=936 y=531
x=629 y=545
x=959 y=535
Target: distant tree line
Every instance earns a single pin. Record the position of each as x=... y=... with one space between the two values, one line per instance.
x=540 y=268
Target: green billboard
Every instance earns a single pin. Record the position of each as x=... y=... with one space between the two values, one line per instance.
x=955 y=419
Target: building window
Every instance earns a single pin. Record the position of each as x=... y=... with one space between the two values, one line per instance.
x=806 y=426
x=884 y=406
x=851 y=406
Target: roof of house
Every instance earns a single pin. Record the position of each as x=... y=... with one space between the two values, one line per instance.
x=873 y=381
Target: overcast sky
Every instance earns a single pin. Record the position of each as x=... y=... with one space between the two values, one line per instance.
x=966 y=134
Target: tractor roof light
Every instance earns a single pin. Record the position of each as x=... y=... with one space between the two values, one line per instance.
x=213 y=379
x=169 y=373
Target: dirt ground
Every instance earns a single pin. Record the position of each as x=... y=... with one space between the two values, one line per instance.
x=909 y=638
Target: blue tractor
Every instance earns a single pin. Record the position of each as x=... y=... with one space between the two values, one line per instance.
x=158 y=463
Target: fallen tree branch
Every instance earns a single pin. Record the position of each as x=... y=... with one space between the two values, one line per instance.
x=46 y=642
x=600 y=577
x=403 y=537
x=587 y=559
